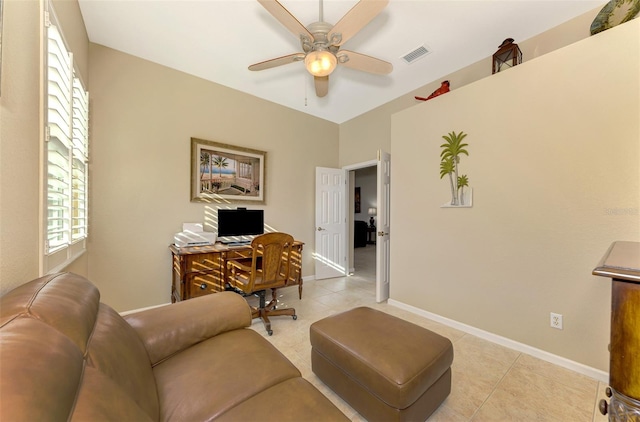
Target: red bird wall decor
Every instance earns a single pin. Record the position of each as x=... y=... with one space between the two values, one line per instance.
x=444 y=88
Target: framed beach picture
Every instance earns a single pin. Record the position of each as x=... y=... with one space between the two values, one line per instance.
x=222 y=173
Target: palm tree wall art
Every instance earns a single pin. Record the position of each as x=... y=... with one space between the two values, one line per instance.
x=450 y=163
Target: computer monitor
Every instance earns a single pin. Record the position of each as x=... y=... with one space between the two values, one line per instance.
x=240 y=222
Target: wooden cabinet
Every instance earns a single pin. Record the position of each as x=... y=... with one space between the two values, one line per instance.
x=622 y=264
x=202 y=270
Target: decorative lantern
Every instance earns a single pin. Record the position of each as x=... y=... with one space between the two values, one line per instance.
x=508 y=55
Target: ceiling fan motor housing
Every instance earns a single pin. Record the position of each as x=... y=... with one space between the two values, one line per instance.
x=319 y=30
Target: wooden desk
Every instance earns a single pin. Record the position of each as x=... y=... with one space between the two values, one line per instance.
x=202 y=270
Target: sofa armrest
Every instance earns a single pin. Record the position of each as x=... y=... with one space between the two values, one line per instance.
x=170 y=329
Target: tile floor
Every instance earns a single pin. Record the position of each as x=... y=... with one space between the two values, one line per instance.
x=489 y=382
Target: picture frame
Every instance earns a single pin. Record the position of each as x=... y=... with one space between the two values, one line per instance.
x=223 y=173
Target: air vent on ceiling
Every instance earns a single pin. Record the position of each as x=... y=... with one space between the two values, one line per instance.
x=416 y=54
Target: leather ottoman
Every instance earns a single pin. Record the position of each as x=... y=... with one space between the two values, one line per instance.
x=386 y=368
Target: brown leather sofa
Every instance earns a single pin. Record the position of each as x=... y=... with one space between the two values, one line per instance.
x=66 y=356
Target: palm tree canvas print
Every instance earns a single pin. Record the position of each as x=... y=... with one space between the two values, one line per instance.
x=222 y=173
x=449 y=166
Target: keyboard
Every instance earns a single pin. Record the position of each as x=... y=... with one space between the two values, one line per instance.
x=242 y=243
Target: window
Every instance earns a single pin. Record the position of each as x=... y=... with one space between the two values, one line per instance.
x=66 y=154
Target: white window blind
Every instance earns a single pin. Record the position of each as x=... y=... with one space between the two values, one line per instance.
x=66 y=149
x=80 y=158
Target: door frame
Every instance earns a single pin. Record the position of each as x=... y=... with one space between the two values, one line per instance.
x=349 y=205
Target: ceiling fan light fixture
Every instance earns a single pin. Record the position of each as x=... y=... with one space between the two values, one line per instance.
x=320 y=62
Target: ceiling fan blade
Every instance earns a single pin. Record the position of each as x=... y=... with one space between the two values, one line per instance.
x=322 y=85
x=279 y=12
x=355 y=19
x=363 y=62
x=279 y=61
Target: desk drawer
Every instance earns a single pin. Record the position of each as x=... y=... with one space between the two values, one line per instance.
x=239 y=255
x=203 y=262
x=204 y=284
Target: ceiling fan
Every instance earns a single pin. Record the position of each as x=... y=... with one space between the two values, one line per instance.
x=321 y=42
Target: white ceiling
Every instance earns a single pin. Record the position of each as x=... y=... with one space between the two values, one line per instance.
x=217 y=40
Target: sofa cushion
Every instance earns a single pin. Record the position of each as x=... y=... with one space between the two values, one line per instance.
x=215 y=375
x=291 y=398
x=40 y=370
x=45 y=297
x=117 y=352
x=101 y=399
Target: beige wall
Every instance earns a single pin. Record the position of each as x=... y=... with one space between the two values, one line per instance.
x=554 y=161
x=143 y=118
x=20 y=133
x=19 y=144
x=362 y=136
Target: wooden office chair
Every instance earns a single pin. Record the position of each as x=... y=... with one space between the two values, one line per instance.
x=269 y=269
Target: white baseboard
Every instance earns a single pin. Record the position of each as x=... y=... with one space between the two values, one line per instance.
x=588 y=371
x=123 y=313
x=133 y=311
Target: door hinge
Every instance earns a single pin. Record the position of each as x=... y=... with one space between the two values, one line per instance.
x=47 y=20
x=47 y=133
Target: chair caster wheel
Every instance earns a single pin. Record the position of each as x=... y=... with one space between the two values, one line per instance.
x=295 y=317
x=270 y=332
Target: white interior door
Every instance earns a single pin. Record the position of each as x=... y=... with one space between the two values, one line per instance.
x=382 y=235
x=330 y=254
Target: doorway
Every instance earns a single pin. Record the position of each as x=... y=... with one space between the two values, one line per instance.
x=341 y=248
x=362 y=251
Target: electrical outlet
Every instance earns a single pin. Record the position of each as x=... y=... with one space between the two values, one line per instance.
x=556 y=321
